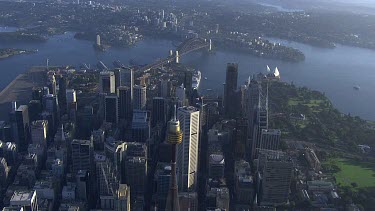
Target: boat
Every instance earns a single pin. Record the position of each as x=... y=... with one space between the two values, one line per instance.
x=268 y=69
x=196 y=80
x=205 y=78
x=276 y=73
x=356 y=87
x=208 y=89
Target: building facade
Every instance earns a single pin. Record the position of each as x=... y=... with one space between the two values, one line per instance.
x=107 y=82
x=187 y=151
x=139 y=97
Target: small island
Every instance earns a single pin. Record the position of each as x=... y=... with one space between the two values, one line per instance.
x=8 y=52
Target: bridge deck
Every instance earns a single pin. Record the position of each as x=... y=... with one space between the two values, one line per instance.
x=185 y=48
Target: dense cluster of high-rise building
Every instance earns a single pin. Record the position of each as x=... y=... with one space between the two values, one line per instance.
x=127 y=140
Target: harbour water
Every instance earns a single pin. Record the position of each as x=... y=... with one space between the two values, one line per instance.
x=7 y=29
x=332 y=71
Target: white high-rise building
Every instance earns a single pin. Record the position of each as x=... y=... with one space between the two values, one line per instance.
x=39 y=132
x=187 y=151
x=139 y=97
x=180 y=94
x=71 y=96
x=107 y=82
x=123 y=198
x=270 y=139
x=24 y=200
x=98 y=43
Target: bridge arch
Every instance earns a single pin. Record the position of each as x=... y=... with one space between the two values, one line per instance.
x=192 y=44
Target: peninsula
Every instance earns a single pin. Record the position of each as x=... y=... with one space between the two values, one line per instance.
x=8 y=52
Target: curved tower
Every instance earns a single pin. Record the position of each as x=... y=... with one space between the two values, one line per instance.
x=174 y=137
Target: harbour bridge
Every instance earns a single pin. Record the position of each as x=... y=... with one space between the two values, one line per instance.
x=189 y=45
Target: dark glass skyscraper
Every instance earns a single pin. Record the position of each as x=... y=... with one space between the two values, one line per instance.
x=159 y=111
x=188 y=77
x=22 y=127
x=230 y=96
x=125 y=102
x=111 y=109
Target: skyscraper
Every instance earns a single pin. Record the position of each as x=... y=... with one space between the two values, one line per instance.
x=277 y=175
x=230 y=89
x=71 y=96
x=270 y=139
x=251 y=105
x=83 y=186
x=39 y=132
x=107 y=82
x=35 y=108
x=98 y=43
x=71 y=103
x=259 y=113
x=51 y=83
x=261 y=123
x=82 y=155
x=174 y=137
x=111 y=113
x=4 y=172
x=50 y=104
x=125 y=102
x=123 y=198
x=187 y=152
x=180 y=94
x=24 y=200
x=61 y=95
x=106 y=176
x=139 y=97
x=244 y=183
x=133 y=166
x=165 y=88
x=127 y=77
x=136 y=171
x=140 y=126
x=188 y=77
x=159 y=111
x=117 y=72
x=22 y=127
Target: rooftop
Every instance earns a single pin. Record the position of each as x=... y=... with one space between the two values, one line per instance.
x=39 y=123
x=217 y=159
x=188 y=109
x=271 y=131
x=79 y=141
x=106 y=73
x=139 y=116
x=22 y=196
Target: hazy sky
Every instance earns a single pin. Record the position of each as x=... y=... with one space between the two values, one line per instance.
x=367 y=6
x=359 y=2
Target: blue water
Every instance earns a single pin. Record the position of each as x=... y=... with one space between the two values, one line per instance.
x=332 y=71
x=7 y=29
x=280 y=8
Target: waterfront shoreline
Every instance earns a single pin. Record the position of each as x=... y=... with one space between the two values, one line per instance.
x=20 y=89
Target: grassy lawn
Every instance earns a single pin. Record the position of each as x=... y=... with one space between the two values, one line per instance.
x=351 y=171
x=309 y=103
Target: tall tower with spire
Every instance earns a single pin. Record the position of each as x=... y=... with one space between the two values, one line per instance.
x=174 y=137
